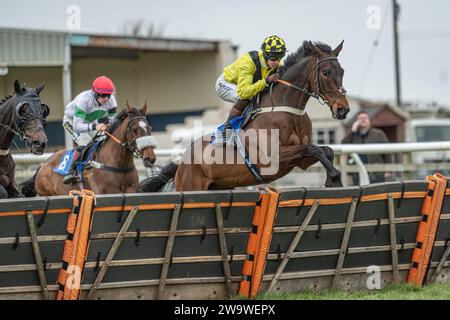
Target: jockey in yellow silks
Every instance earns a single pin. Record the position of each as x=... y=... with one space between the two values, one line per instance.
x=249 y=75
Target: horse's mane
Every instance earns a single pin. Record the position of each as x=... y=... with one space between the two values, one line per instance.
x=304 y=51
x=5 y=99
x=10 y=96
x=122 y=115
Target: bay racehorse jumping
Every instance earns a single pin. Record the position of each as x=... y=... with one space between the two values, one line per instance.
x=22 y=114
x=112 y=169
x=312 y=71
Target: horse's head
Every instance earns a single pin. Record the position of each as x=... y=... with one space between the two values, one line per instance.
x=326 y=77
x=29 y=114
x=138 y=136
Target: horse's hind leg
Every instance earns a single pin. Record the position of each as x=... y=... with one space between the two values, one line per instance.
x=191 y=178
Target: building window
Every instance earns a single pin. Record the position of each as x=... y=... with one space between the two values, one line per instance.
x=324 y=136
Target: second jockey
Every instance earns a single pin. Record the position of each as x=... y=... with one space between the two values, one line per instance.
x=88 y=113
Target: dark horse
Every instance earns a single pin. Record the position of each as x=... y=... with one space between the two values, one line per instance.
x=112 y=169
x=313 y=70
x=21 y=114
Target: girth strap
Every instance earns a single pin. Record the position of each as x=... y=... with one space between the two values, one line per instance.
x=292 y=110
x=102 y=166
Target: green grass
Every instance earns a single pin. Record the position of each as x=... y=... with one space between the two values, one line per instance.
x=439 y=291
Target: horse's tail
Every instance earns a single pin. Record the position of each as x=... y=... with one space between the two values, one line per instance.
x=27 y=188
x=156 y=183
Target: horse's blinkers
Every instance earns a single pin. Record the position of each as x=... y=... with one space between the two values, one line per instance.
x=37 y=110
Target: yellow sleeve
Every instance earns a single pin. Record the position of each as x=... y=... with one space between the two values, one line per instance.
x=245 y=88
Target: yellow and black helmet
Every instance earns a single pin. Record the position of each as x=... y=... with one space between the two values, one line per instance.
x=274 y=47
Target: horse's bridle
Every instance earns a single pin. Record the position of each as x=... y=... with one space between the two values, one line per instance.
x=318 y=94
x=341 y=90
x=132 y=147
x=19 y=124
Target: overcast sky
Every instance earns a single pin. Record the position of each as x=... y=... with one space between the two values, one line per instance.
x=424 y=32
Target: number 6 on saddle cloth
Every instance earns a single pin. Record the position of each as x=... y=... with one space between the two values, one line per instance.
x=237 y=123
x=66 y=161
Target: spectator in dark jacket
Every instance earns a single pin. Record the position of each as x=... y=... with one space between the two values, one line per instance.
x=362 y=133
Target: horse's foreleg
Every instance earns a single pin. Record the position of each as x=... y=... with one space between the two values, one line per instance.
x=326 y=156
x=306 y=162
x=13 y=192
x=332 y=180
x=310 y=154
x=3 y=193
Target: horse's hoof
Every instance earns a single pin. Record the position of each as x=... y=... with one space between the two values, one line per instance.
x=338 y=184
x=334 y=182
x=334 y=185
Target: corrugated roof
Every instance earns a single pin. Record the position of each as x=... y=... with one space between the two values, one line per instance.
x=124 y=42
x=22 y=47
x=32 y=48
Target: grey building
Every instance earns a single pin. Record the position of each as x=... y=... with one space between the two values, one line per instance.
x=175 y=76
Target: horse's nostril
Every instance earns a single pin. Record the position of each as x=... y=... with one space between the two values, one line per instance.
x=40 y=144
x=343 y=111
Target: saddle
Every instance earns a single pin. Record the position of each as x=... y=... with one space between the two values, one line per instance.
x=243 y=120
x=83 y=162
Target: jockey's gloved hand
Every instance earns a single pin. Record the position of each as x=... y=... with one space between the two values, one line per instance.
x=103 y=120
x=100 y=127
x=272 y=78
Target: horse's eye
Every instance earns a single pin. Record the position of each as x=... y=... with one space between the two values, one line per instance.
x=45 y=110
x=23 y=109
x=326 y=72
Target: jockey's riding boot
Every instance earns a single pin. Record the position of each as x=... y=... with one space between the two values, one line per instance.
x=236 y=111
x=72 y=175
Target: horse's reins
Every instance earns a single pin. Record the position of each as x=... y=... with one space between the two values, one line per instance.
x=112 y=137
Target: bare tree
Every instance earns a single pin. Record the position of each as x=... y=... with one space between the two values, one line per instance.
x=140 y=28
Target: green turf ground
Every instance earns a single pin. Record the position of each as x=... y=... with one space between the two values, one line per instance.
x=393 y=292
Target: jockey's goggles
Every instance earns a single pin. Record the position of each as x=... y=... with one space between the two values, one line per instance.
x=274 y=56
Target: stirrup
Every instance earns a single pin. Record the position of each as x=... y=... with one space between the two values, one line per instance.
x=223 y=139
x=70 y=179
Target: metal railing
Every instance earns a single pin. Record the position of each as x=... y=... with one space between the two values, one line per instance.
x=353 y=150
x=27 y=163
